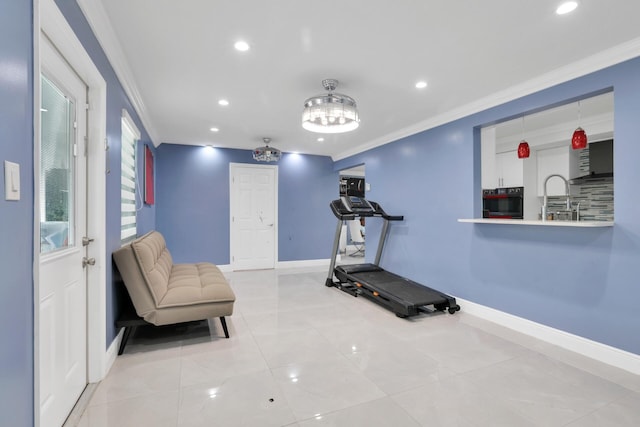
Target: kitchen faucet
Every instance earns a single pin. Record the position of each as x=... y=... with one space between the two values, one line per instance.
x=544 y=202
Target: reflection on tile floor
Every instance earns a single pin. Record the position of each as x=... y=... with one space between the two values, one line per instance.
x=302 y=354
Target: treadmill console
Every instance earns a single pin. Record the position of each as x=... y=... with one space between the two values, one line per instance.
x=356 y=204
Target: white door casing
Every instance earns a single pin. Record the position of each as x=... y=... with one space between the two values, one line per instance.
x=62 y=278
x=253 y=204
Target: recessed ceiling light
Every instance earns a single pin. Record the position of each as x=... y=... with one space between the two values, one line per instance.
x=320 y=139
x=421 y=84
x=241 y=45
x=214 y=130
x=223 y=102
x=566 y=7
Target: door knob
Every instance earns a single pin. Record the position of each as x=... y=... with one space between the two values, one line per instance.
x=88 y=261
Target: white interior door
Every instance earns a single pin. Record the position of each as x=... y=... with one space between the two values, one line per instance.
x=253 y=216
x=62 y=214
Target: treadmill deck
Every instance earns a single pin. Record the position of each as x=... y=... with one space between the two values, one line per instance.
x=404 y=296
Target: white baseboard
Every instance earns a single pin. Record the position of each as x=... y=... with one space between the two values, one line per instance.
x=601 y=352
x=227 y=268
x=112 y=352
x=303 y=263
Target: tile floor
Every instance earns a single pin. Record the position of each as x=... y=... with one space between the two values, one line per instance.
x=301 y=354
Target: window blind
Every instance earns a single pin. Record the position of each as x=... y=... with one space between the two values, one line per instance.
x=128 y=186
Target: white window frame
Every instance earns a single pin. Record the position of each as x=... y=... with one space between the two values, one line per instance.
x=128 y=179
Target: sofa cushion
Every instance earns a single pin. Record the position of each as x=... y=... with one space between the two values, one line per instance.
x=135 y=282
x=191 y=284
x=155 y=263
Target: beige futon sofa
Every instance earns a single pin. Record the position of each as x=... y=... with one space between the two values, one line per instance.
x=165 y=293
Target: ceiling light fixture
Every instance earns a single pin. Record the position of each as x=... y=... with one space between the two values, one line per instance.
x=223 y=102
x=331 y=112
x=266 y=153
x=421 y=84
x=566 y=7
x=214 y=130
x=241 y=46
x=321 y=139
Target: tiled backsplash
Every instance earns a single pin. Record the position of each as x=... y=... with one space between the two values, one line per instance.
x=595 y=196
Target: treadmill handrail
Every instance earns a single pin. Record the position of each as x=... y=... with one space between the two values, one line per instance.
x=380 y=212
x=338 y=210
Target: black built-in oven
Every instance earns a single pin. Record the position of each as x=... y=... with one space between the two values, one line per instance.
x=505 y=203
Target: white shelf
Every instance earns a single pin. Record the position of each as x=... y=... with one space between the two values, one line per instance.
x=583 y=224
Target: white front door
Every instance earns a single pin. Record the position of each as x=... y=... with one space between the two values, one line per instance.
x=62 y=213
x=253 y=216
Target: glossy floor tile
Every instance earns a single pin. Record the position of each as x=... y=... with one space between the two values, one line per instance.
x=301 y=354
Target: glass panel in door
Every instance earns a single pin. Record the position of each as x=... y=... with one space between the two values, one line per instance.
x=57 y=174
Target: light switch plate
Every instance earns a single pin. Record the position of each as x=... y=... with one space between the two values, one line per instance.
x=11 y=181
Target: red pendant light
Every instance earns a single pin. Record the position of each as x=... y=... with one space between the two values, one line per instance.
x=523 y=149
x=579 y=138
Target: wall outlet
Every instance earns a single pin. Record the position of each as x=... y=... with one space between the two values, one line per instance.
x=11 y=181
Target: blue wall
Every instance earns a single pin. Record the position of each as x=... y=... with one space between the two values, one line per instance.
x=583 y=281
x=193 y=203
x=307 y=184
x=117 y=100
x=16 y=217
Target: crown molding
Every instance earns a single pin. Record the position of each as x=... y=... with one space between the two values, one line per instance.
x=604 y=59
x=99 y=22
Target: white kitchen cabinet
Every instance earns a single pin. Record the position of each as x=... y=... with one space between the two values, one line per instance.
x=559 y=160
x=488 y=157
x=503 y=169
x=509 y=169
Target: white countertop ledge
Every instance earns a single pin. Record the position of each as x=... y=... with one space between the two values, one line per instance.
x=582 y=224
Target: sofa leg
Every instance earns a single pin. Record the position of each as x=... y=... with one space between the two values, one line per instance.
x=224 y=326
x=128 y=330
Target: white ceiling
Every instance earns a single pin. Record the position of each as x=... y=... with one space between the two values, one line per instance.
x=176 y=59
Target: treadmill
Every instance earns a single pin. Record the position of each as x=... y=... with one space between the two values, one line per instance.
x=402 y=296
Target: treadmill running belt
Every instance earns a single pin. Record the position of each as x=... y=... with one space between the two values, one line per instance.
x=399 y=288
